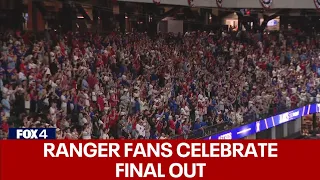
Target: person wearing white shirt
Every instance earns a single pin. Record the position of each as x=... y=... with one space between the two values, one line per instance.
x=104 y=134
x=27 y=102
x=63 y=102
x=143 y=105
x=163 y=137
x=94 y=97
x=187 y=111
x=303 y=97
x=53 y=111
x=5 y=90
x=239 y=116
x=86 y=97
x=22 y=77
x=86 y=133
x=318 y=97
x=197 y=114
x=288 y=102
x=140 y=128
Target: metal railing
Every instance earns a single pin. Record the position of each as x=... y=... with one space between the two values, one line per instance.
x=247 y=118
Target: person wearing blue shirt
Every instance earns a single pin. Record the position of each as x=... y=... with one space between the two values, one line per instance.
x=197 y=127
x=6 y=106
x=1 y=82
x=170 y=103
x=193 y=87
x=154 y=136
x=85 y=84
x=166 y=114
x=159 y=115
x=173 y=106
x=288 y=56
x=154 y=77
x=91 y=114
x=318 y=71
x=11 y=64
x=124 y=83
x=314 y=67
x=137 y=106
x=178 y=124
x=60 y=59
x=203 y=124
x=189 y=100
x=122 y=69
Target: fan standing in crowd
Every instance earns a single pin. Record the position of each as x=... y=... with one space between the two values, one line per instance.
x=90 y=86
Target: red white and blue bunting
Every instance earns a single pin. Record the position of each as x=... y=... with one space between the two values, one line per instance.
x=219 y=3
x=317 y=3
x=157 y=2
x=266 y=4
x=190 y=2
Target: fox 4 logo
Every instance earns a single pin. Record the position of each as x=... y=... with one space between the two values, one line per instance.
x=31 y=134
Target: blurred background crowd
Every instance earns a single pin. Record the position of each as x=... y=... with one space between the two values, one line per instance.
x=129 y=86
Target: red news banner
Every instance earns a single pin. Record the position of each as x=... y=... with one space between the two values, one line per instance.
x=83 y=160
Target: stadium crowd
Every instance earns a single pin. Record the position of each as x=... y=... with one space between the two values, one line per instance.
x=131 y=86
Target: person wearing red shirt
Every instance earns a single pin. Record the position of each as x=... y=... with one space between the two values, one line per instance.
x=133 y=122
x=22 y=67
x=113 y=116
x=99 y=62
x=113 y=99
x=294 y=100
x=159 y=125
x=62 y=48
x=5 y=126
x=92 y=80
x=172 y=125
x=303 y=66
x=100 y=102
x=105 y=59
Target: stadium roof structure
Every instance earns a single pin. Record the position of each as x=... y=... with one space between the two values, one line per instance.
x=267 y=4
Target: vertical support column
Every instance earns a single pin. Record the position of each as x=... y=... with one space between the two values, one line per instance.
x=4 y=19
x=30 y=12
x=35 y=21
x=283 y=23
x=16 y=7
x=314 y=121
x=106 y=15
x=146 y=21
x=95 y=16
x=67 y=17
x=206 y=20
x=3 y=3
x=256 y=22
x=273 y=133
x=152 y=29
x=297 y=125
x=240 y=21
x=253 y=136
x=285 y=129
x=205 y=14
x=34 y=18
x=40 y=21
x=121 y=17
x=145 y=17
